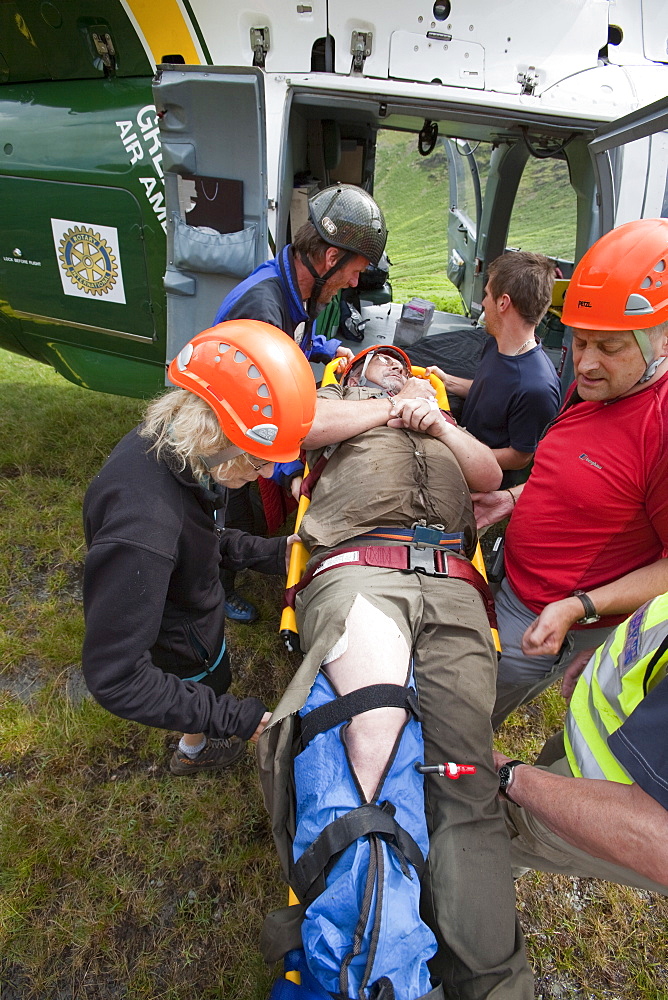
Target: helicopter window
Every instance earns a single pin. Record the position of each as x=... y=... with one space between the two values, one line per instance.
x=544 y=213
x=213 y=202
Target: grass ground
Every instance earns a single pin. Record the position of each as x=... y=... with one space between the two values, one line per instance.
x=120 y=881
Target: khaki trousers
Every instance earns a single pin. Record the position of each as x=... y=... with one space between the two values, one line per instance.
x=468 y=894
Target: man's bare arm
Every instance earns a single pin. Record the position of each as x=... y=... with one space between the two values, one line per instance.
x=453 y=383
x=511 y=458
x=616 y=822
x=492 y=507
x=480 y=468
x=546 y=634
x=339 y=419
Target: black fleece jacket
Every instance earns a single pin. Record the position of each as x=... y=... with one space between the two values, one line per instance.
x=153 y=598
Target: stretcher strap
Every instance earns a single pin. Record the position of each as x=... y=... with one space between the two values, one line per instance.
x=349 y=705
x=433 y=562
x=308 y=873
x=312 y=477
x=421 y=536
x=314 y=474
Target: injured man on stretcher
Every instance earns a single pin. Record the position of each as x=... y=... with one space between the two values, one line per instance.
x=399 y=668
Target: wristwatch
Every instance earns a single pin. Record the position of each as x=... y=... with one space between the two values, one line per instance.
x=590 y=615
x=506 y=775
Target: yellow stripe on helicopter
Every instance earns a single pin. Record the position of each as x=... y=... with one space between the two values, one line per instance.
x=165 y=30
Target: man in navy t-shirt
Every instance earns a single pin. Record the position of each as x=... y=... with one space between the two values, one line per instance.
x=516 y=391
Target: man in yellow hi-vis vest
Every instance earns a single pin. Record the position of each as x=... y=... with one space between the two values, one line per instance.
x=601 y=809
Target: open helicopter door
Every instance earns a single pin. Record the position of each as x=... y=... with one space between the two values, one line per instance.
x=212 y=124
x=630 y=163
x=630 y=159
x=465 y=210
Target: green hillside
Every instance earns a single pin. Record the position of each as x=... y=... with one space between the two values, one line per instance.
x=413 y=192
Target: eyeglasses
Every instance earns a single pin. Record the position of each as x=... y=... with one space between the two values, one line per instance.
x=388 y=360
x=251 y=461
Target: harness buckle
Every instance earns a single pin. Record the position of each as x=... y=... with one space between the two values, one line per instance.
x=423 y=536
x=427 y=561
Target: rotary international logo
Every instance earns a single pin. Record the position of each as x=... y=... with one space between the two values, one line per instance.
x=88 y=261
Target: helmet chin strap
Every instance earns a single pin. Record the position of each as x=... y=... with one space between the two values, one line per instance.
x=320 y=279
x=647 y=351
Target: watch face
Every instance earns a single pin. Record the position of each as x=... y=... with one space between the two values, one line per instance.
x=504 y=775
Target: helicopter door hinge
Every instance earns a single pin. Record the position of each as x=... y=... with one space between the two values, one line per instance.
x=106 y=51
x=260 y=44
x=360 y=48
x=528 y=81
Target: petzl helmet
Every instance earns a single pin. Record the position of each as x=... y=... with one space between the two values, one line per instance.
x=346 y=216
x=369 y=352
x=621 y=283
x=257 y=382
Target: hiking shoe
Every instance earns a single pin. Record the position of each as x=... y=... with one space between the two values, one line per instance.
x=239 y=610
x=214 y=756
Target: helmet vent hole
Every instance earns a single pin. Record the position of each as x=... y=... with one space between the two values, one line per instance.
x=255 y=407
x=661 y=266
x=263 y=391
x=185 y=354
x=239 y=356
x=222 y=348
x=268 y=411
x=253 y=372
x=647 y=283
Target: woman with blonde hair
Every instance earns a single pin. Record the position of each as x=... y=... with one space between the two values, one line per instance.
x=154 y=649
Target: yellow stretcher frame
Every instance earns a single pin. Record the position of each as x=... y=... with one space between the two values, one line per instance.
x=299 y=555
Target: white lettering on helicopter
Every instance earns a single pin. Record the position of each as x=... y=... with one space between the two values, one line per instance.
x=141 y=139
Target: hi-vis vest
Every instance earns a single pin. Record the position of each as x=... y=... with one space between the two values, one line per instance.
x=617 y=678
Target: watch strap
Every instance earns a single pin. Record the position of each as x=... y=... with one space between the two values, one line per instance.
x=591 y=614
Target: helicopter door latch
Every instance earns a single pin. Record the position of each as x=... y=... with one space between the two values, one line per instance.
x=105 y=50
x=360 y=48
x=260 y=44
x=528 y=81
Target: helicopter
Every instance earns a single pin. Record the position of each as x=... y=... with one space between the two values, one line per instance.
x=153 y=155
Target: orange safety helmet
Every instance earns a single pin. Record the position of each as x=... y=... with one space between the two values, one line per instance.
x=256 y=380
x=390 y=349
x=621 y=283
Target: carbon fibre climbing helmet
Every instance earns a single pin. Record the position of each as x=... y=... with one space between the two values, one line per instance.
x=346 y=216
x=621 y=283
x=257 y=382
x=368 y=353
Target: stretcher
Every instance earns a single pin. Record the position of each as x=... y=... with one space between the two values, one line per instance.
x=288 y=629
x=299 y=555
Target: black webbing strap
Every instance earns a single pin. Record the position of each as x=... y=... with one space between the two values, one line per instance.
x=349 y=705
x=307 y=876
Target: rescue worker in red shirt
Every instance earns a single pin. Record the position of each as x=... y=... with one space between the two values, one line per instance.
x=588 y=532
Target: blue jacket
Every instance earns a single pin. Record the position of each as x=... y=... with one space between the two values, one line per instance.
x=271 y=294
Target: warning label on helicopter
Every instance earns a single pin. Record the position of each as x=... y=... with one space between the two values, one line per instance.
x=89 y=260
